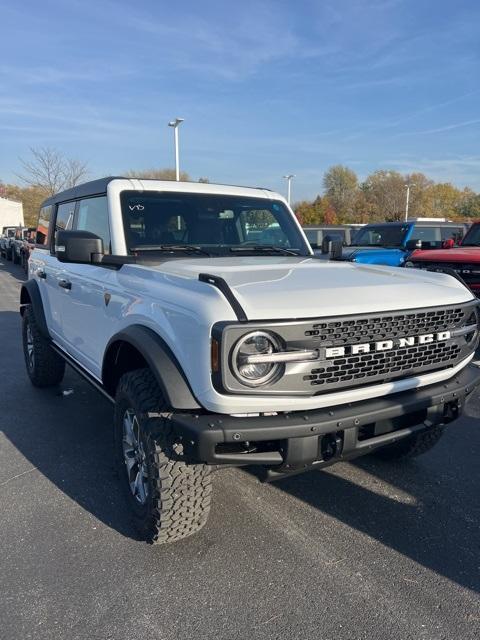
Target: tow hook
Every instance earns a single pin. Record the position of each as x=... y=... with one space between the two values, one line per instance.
x=330 y=446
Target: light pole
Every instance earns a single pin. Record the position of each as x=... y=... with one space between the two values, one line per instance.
x=407 y=187
x=174 y=124
x=289 y=185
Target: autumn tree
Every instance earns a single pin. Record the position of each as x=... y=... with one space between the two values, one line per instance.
x=469 y=206
x=341 y=185
x=385 y=194
x=319 y=211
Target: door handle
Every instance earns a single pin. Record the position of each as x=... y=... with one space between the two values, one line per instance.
x=41 y=274
x=65 y=284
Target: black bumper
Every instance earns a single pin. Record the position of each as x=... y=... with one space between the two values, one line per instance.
x=304 y=438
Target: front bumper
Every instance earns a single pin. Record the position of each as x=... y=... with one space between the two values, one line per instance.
x=300 y=439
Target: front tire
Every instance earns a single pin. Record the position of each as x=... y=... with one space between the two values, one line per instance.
x=45 y=367
x=411 y=446
x=169 y=497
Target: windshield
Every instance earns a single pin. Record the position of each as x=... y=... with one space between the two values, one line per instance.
x=381 y=235
x=207 y=224
x=472 y=238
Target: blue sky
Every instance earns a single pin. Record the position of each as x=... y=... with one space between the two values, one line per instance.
x=266 y=88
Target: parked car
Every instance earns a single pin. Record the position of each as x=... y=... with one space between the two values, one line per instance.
x=217 y=350
x=320 y=237
x=27 y=247
x=391 y=243
x=463 y=260
x=8 y=233
x=16 y=244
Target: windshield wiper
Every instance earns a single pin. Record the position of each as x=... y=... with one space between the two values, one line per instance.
x=187 y=248
x=264 y=248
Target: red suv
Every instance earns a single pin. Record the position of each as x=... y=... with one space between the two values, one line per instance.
x=463 y=260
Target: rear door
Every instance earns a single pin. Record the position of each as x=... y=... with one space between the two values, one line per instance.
x=51 y=273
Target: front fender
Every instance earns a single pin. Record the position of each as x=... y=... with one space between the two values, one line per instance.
x=160 y=359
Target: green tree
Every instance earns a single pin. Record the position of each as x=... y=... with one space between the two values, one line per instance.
x=341 y=186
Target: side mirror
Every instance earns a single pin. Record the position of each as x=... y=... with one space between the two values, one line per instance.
x=413 y=244
x=336 y=249
x=448 y=244
x=81 y=247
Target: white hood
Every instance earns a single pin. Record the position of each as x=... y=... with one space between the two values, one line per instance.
x=287 y=288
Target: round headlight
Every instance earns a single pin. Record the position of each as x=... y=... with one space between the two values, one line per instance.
x=257 y=343
x=409 y=264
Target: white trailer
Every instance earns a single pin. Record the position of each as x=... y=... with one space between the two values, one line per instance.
x=11 y=214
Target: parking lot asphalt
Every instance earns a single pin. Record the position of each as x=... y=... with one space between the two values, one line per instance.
x=362 y=550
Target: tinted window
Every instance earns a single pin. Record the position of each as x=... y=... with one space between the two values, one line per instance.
x=43 y=225
x=381 y=235
x=452 y=233
x=64 y=219
x=426 y=234
x=219 y=223
x=92 y=216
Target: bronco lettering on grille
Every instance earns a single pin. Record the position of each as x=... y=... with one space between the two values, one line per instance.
x=386 y=345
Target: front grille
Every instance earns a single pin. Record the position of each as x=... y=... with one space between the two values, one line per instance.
x=339 y=332
x=343 y=360
x=400 y=362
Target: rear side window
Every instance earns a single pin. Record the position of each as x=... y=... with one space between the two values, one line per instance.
x=92 y=215
x=452 y=233
x=426 y=234
x=43 y=225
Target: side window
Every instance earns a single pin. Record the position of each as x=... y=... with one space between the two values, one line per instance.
x=64 y=219
x=426 y=234
x=452 y=233
x=93 y=216
x=43 y=224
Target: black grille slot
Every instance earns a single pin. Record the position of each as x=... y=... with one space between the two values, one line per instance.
x=350 y=370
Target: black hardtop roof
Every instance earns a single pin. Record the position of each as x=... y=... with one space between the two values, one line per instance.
x=92 y=188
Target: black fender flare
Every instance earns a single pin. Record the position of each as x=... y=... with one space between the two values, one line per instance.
x=161 y=360
x=30 y=295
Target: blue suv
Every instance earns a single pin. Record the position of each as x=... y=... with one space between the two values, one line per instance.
x=390 y=243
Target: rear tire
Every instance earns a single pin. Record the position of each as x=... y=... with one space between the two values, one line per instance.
x=412 y=446
x=45 y=367
x=169 y=497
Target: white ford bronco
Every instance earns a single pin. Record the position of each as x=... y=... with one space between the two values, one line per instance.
x=199 y=311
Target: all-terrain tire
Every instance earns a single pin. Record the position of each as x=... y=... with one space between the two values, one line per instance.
x=45 y=367
x=177 y=494
x=412 y=446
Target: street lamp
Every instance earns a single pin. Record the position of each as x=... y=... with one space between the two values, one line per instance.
x=407 y=187
x=174 y=124
x=289 y=185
